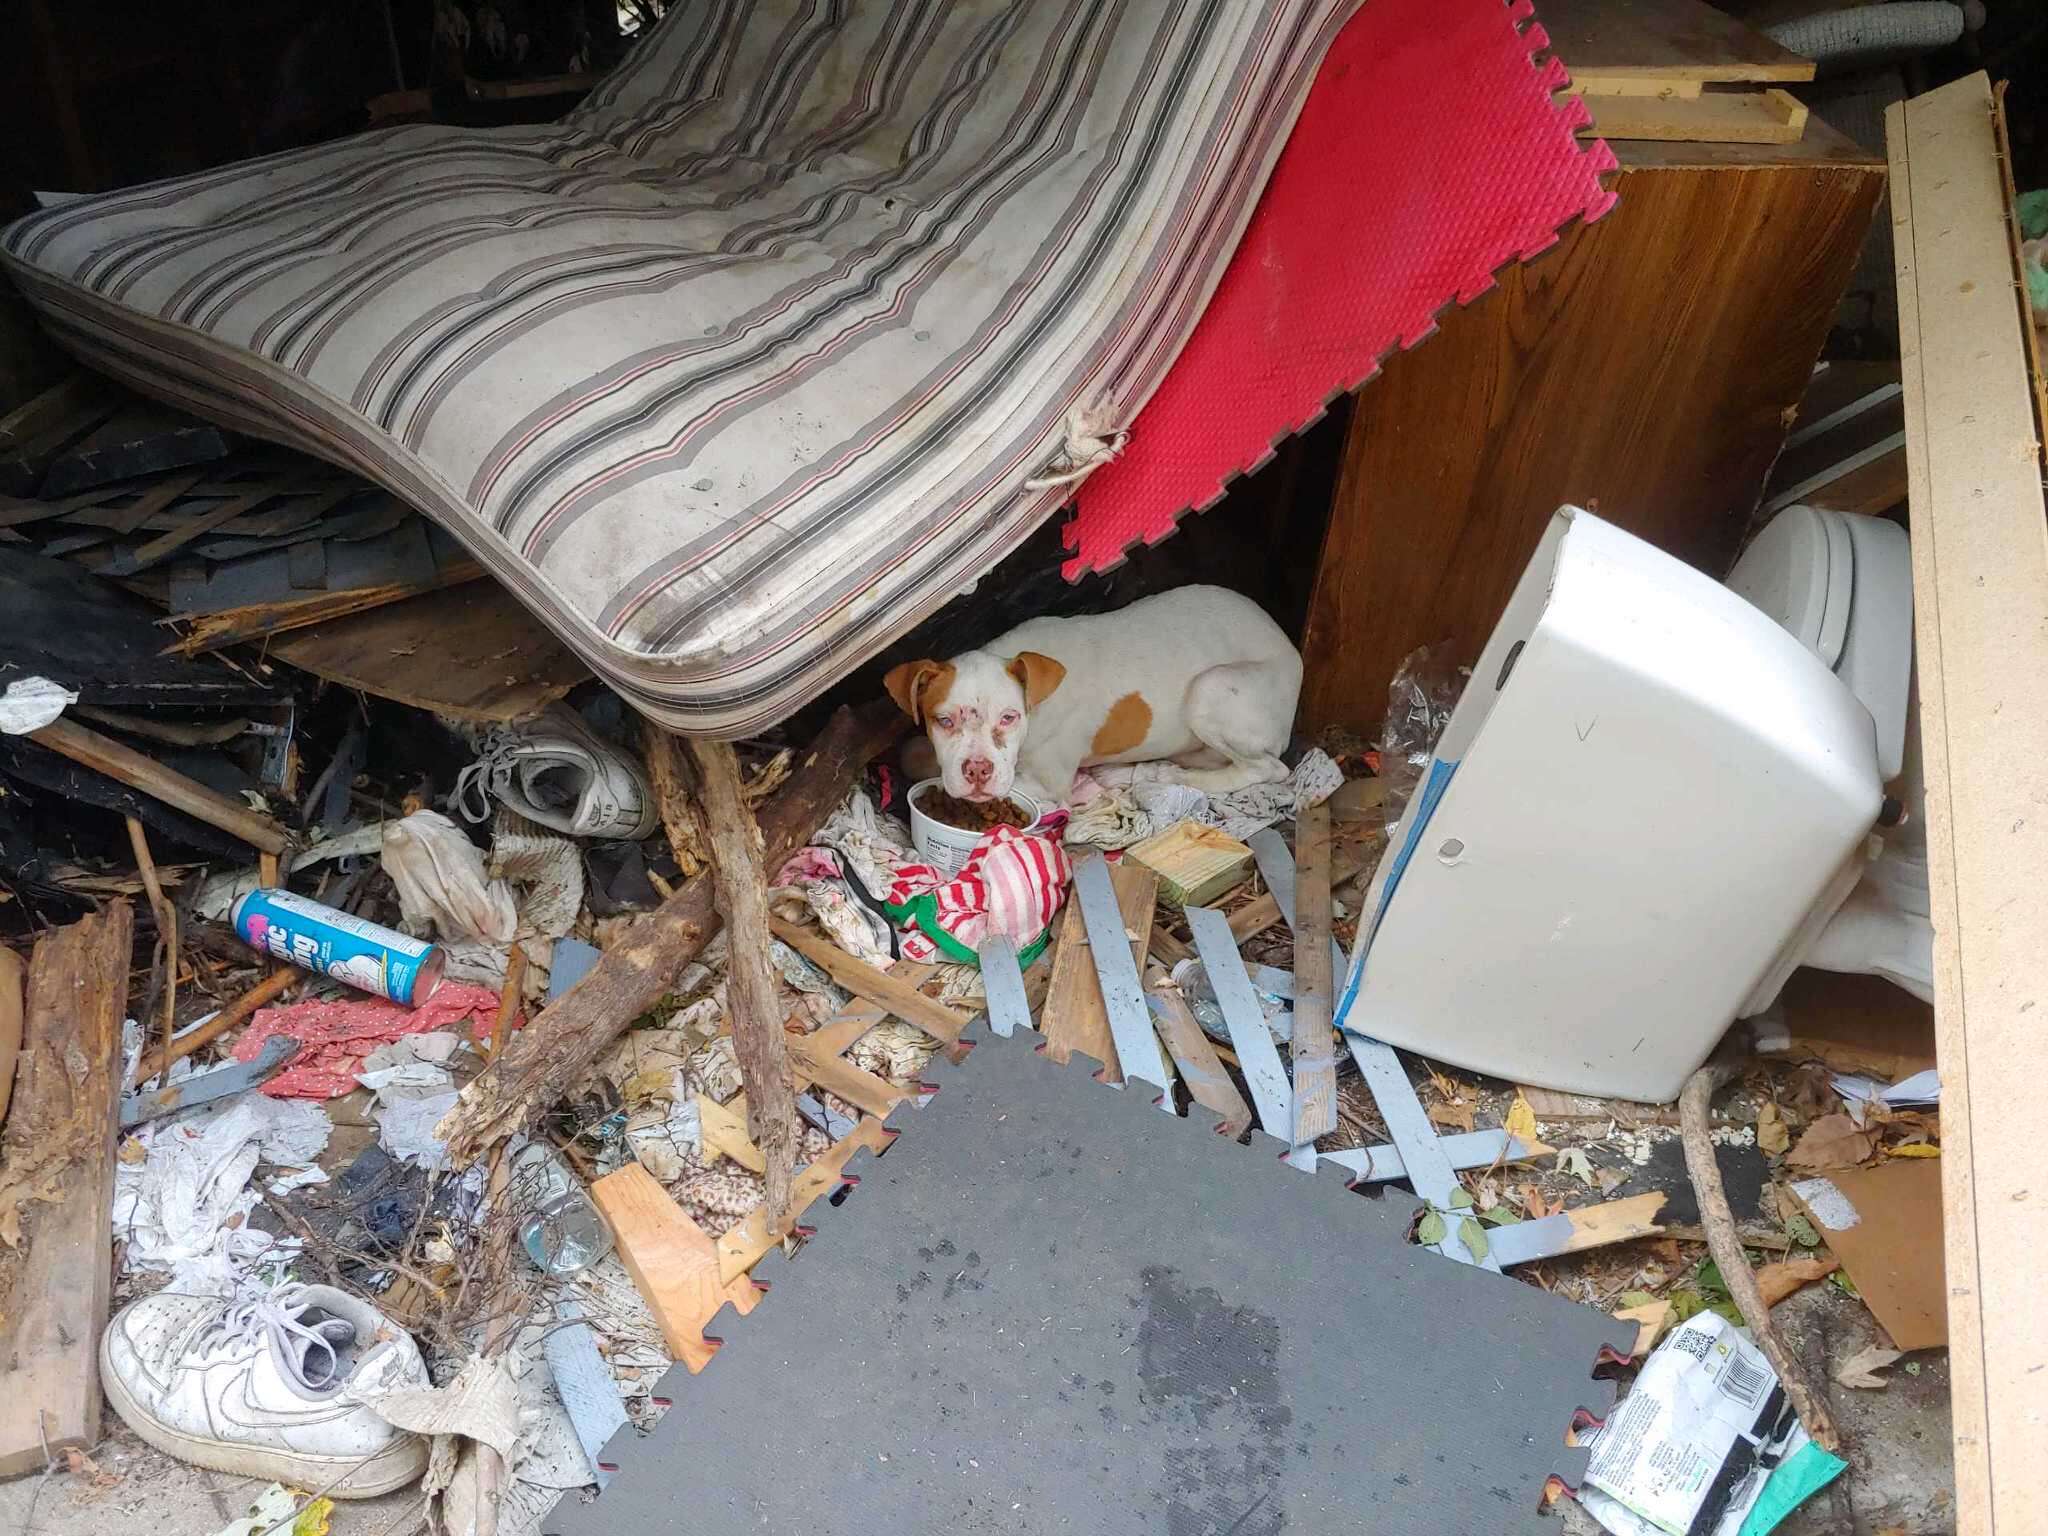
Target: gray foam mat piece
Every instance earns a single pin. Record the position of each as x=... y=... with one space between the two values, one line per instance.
x=1050 y=1308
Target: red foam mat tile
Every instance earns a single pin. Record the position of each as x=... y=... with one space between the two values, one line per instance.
x=1432 y=151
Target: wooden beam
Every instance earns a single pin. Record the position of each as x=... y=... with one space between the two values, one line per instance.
x=56 y=1212
x=543 y=1062
x=863 y=980
x=104 y=755
x=673 y=1261
x=1980 y=594
x=1195 y=1054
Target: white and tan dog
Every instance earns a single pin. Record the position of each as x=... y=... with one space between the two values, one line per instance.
x=1198 y=675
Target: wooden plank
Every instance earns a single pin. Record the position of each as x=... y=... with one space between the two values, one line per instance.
x=1262 y=912
x=857 y=976
x=1664 y=40
x=103 y=754
x=475 y=653
x=12 y=975
x=742 y=1247
x=673 y=1261
x=724 y=1128
x=1072 y=1017
x=1117 y=912
x=57 y=1193
x=1714 y=117
x=820 y=1067
x=1195 y=1054
x=1980 y=590
x=1455 y=457
x=1313 y=1048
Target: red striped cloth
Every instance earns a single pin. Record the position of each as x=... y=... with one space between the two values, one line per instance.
x=1012 y=884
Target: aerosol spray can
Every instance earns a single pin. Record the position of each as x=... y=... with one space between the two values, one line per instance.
x=317 y=937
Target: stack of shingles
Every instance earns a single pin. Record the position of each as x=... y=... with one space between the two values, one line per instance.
x=244 y=542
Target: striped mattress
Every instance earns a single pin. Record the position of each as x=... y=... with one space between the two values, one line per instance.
x=807 y=316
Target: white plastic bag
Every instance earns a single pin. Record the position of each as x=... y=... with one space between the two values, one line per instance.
x=440 y=877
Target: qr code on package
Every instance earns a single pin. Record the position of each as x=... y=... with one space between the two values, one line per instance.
x=1694 y=1342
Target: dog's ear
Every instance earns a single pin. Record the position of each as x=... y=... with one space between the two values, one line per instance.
x=912 y=687
x=1037 y=675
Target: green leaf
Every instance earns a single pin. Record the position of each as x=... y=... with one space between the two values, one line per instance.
x=1474 y=1237
x=1500 y=1215
x=1911 y=1367
x=1729 y=1310
x=1712 y=1286
x=1628 y=1299
x=1685 y=1304
x=1840 y=1281
x=1801 y=1231
x=1430 y=1230
x=1461 y=1199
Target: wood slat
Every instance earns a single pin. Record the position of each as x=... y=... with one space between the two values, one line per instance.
x=1664 y=40
x=673 y=1262
x=1313 y=1047
x=857 y=976
x=742 y=1247
x=1195 y=1054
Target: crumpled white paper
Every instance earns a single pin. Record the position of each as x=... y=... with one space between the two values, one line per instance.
x=414 y=1091
x=182 y=1209
x=31 y=703
x=1240 y=813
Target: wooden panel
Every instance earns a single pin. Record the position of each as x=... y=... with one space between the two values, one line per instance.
x=473 y=653
x=1980 y=590
x=1643 y=368
x=1664 y=39
x=57 y=1192
x=673 y=1261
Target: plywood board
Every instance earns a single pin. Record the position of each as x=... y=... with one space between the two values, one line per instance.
x=1980 y=591
x=1884 y=1224
x=672 y=1260
x=1664 y=40
x=1713 y=117
x=473 y=653
x=57 y=1191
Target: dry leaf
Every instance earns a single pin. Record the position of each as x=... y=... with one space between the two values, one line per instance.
x=1777 y=1281
x=1651 y=1320
x=1860 y=1369
x=1573 y=1160
x=1521 y=1120
x=1833 y=1141
x=1538 y=1207
x=1453 y=1117
x=1773 y=1136
x=1608 y=1180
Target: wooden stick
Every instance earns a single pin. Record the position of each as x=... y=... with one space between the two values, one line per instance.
x=102 y=754
x=166 y=932
x=12 y=975
x=508 y=1001
x=543 y=1062
x=1725 y=1244
x=726 y=829
x=269 y=989
x=1262 y=912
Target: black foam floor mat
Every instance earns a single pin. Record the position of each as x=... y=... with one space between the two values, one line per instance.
x=1052 y=1308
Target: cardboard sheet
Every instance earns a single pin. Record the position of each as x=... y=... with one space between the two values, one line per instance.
x=1884 y=1224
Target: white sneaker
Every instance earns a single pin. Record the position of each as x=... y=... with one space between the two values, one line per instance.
x=258 y=1388
x=554 y=771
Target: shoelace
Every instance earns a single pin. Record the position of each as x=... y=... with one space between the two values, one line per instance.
x=472 y=796
x=251 y=1321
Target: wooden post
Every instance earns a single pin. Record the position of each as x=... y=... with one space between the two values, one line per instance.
x=726 y=829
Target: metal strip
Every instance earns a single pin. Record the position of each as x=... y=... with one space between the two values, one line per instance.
x=826 y=1119
x=1471 y=1149
x=585 y=1384
x=1428 y=1169
x=1807 y=431
x=1523 y=1241
x=1835 y=471
x=1002 y=984
x=1257 y=1056
x=1130 y=1022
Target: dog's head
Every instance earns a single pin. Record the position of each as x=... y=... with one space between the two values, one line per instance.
x=975 y=708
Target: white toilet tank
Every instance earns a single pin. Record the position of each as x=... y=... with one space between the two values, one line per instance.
x=1644 y=790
